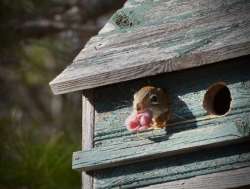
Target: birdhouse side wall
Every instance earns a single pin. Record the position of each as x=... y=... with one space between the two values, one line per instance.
x=189 y=129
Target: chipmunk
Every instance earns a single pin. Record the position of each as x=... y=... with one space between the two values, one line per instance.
x=150 y=110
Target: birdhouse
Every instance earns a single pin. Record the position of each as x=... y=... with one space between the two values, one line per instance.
x=195 y=56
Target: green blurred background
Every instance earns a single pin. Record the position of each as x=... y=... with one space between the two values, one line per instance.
x=39 y=131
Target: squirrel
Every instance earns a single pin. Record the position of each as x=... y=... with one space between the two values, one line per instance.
x=150 y=110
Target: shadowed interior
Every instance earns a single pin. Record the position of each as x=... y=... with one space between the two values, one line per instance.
x=217 y=99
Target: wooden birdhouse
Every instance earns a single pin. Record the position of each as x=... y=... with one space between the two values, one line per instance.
x=197 y=52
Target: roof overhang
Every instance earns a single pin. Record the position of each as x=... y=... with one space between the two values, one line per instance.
x=146 y=38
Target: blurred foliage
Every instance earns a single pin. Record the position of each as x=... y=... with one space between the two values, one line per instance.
x=39 y=131
x=32 y=162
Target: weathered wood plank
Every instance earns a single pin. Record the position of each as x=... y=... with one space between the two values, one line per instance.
x=130 y=152
x=159 y=36
x=117 y=146
x=186 y=90
x=221 y=180
x=175 y=168
x=88 y=120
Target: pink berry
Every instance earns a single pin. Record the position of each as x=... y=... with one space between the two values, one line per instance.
x=139 y=121
x=132 y=123
x=145 y=119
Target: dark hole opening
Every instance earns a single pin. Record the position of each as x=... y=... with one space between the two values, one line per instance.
x=222 y=101
x=217 y=99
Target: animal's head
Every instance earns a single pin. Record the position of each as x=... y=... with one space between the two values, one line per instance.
x=150 y=97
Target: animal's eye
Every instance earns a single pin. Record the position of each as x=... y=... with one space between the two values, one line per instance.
x=153 y=99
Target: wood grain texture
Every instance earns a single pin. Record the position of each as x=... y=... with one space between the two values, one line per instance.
x=88 y=120
x=150 y=37
x=131 y=152
x=175 y=168
x=221 y=180
x=186 y=90
x=190 y=127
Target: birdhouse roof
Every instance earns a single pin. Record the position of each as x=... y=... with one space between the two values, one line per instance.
x=149 y=37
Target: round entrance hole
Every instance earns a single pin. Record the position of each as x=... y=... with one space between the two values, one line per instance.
x=217 y=100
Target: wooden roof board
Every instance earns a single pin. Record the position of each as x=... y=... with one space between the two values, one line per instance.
x=149 y=37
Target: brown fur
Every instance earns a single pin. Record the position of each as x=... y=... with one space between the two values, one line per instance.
x=160 y=110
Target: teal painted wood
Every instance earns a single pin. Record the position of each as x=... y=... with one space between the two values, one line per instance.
x=190 y=130
x=149 y=37
x=186 y=90
x=179 y=167
x=235 y=178
x=140 y=150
